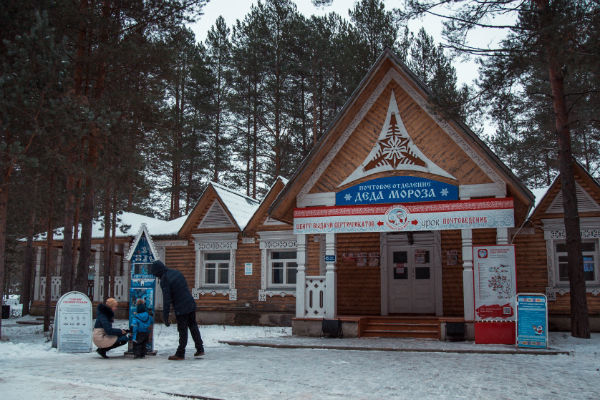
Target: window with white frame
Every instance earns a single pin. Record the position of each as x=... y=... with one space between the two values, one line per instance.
x=216 y=268
x=556 y=248
x=279 y=264
x=215 y=264
x=590 y=262
x=282 y=268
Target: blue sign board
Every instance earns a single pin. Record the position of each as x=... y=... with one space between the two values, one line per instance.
x=532 y=320
x=396 y=189
x=143 y=283
x=330 y=258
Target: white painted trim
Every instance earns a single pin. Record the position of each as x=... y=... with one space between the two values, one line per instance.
x=274 y=240
x=215 y=242
x=171 y=243
x=269 y=221
x=215 y=237
x=422 y=102
x=330 y=278
x=497 y=189
x=468 y=283
x=301 y=277
x=143 y=230
x=395 y=144
x=554 y=231
x=316 y=199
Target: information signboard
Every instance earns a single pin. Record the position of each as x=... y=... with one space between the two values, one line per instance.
x=74 y=323
x=396 y=189
x=532 y=320
x=495 y=282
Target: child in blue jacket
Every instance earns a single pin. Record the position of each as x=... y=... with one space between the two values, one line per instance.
x=141 y=323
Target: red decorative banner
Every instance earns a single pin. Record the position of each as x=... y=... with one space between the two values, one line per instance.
x=440 y=215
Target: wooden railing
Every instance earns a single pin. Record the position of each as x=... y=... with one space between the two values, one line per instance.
x=314 y=297
x=121 y=292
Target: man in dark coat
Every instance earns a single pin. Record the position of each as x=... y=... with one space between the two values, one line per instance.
x=175 y=289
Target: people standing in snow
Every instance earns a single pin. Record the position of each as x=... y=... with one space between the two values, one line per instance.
x=140 y=325
x=175 y=290
x=104 y=335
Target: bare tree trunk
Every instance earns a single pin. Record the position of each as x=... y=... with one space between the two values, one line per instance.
x=75 y=251
x=85 y=245
x=49 y=240
x=106 y=244
x=579 y=310
x=255 y=140
x=66 y=270
x=113 y=224
x=28 y=267
x=3 y=215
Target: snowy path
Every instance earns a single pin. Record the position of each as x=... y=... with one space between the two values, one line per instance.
x=30 y=369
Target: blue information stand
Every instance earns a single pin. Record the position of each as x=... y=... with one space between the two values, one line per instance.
x=532 y=320
x=142 y=284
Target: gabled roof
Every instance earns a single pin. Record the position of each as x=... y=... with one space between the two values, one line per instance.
x=143 y=231
x=263 y=209
x=326 y=143
x=238 y=207
x=582 y=176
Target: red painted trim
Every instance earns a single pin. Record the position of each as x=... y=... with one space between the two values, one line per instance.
x=430 y=207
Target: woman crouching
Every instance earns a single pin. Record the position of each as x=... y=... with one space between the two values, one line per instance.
x=105 y=336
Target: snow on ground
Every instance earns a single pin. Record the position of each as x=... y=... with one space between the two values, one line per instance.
x=30 y=368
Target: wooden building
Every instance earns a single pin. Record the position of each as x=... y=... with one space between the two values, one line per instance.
x=377 y=226
x=541 y=250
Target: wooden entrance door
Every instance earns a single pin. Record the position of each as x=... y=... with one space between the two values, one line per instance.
x=411 y=280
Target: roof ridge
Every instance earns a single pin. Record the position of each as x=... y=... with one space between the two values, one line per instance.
x=220 y=186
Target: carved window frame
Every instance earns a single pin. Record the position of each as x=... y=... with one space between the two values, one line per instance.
x=214 y=243
x=554 y=233
x=274 y=241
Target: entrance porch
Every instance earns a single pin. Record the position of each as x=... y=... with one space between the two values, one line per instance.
x=416 y=326
x=393 y=284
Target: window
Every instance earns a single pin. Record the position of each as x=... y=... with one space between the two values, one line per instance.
x=282 y=268
x=216 y=268
x=590 y=262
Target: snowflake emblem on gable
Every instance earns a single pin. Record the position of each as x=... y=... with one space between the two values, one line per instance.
x=394 y=150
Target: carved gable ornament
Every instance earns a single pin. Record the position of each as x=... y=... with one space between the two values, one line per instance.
x=395 y=151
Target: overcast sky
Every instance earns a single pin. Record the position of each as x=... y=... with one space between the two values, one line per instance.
x=233 y=10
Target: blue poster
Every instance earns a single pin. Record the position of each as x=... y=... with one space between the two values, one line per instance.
x=396 y=189
x=532 y=321
x=143 y=283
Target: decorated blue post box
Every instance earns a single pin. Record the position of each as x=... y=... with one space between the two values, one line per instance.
x=143 y=284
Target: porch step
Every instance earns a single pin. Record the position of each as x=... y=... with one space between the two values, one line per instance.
x=401 y=327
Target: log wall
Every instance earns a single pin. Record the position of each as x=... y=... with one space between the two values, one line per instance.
x=358 y=288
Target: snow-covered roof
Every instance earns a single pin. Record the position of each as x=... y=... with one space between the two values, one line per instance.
x=128 y=224
x=539 y=194
x=241 y=207
x=284 y=180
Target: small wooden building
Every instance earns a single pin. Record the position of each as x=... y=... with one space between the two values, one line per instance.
x=541 y=250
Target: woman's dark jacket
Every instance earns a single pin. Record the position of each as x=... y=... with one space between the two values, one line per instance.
x=104 y=320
